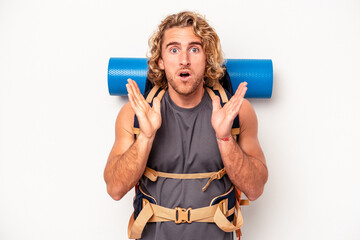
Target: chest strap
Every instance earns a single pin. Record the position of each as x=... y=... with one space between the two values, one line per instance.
x=153 y=175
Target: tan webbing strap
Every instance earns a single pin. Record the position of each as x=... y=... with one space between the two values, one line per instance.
x=136 y=131
x=224 y=224
x=210 y=92
x=218 y=176
x=182 y=215
x=155 y=213
x=153 y=175
x=235 y=131
x=222 y=92
x=151 y=94
x=244 y=202
x=136 y=227
x=161 y=94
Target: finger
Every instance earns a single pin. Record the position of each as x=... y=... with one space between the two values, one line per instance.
x=156 y=105
x=232 y=110
x=138 y=97
x=135 y=86
x=239 y=94
x=132 y=101
x=234 y=105
x=216 y=103
x=242 y=99
x=129 y=90
x=132 y=85
x=243 y=92
x=235 y=97
x=129 y=87
x=234 y=100
x=240 y=87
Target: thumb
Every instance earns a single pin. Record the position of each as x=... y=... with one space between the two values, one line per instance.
x=156 y=105
x=216 y=103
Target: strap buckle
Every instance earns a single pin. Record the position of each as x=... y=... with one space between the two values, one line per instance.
x=220 y=173
x=182 y=215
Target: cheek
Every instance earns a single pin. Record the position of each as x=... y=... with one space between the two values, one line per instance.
x=172 y=60
x=202 y=64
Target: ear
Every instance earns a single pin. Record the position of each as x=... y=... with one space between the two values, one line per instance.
x=161 y=64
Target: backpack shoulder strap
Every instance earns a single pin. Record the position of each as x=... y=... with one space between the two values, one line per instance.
x=225 y=96
x=156 y=91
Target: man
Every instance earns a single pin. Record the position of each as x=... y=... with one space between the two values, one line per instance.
x=186 y=133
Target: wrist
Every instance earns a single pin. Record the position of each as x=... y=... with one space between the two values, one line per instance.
x=225 y=139
x=147 y=139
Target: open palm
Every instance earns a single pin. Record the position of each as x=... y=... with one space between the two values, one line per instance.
x=149 y=117
x=222 y=117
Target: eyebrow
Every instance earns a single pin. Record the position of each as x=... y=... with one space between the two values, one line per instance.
x=177 y=43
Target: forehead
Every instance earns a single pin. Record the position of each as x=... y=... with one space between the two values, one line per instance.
x=182 y=35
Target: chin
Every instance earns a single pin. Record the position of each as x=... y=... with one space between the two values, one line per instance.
x=186 y=91
x=185 y=88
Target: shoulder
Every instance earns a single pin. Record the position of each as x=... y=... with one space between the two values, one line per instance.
x=247 y=111
x=247 y=117
x=125 y=120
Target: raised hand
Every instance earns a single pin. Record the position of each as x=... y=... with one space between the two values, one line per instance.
x=222 y=117
x=149 y=118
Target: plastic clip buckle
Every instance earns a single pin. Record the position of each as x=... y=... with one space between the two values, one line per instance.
x=182 y=215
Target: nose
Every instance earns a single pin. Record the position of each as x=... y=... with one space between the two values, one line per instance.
x=184 y=59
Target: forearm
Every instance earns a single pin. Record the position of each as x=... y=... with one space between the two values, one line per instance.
x=123 y=171
x=247 y=173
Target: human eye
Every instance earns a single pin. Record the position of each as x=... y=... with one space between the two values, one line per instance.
x=194 y=50
x=174 y=50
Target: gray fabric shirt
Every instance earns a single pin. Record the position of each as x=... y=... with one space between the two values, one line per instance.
x=185 y=143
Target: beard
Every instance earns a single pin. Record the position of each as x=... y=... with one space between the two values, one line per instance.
x=185 y=89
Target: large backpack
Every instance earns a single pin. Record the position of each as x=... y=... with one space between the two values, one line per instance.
x=223 y=89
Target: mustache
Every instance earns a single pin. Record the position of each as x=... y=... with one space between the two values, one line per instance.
x=186 y=68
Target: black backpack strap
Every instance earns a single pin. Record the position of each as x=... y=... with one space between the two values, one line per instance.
x=225 y=96
x=149 y=96
x=225 y=81
x=148 y=85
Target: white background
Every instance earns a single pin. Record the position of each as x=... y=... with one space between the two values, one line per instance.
x=57 y=118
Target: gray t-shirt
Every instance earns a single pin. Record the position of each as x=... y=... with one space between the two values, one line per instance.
x=185 y=143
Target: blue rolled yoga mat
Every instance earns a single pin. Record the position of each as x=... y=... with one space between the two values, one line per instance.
x=258 y=73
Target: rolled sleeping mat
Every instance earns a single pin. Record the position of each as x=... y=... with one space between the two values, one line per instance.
x=258 y=73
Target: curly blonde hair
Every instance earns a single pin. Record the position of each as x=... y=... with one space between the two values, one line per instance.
x=214 y=69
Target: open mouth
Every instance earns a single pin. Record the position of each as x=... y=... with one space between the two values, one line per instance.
x=184 y=75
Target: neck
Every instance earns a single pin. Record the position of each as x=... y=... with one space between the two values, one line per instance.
x=187 y=101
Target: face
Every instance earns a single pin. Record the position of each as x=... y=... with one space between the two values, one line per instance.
x=183 y=59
